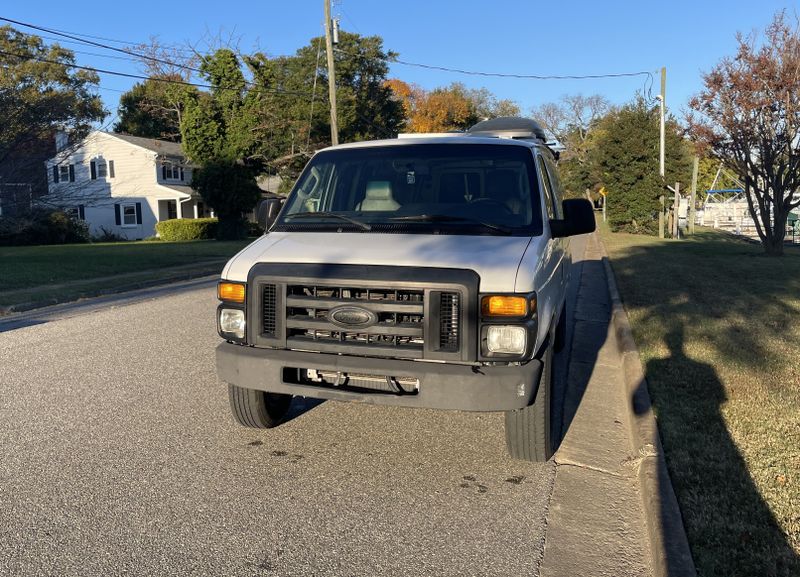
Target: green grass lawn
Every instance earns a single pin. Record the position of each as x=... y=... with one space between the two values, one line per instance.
x=718 y=329
x=30 y=273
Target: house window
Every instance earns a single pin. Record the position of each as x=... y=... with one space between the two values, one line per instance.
x=101 y=169
x=63 y=173
x=76 y=212
x=128 y=215
x=171 y=171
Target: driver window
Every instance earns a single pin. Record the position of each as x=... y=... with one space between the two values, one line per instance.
x=556 y=186
x=548 y=188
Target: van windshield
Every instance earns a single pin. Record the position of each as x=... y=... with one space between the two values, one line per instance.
x=449 y=188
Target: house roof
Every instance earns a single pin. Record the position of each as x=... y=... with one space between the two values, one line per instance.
x=182 y=188
x=160 y=146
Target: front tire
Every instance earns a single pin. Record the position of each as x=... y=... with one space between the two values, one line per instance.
x=528 y=430
x=258 y=409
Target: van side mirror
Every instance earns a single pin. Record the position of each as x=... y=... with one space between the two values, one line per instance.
x=268 y=210
x=578 y=218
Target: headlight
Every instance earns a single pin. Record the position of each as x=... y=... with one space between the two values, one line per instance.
x=231 y=323
x=506 y=339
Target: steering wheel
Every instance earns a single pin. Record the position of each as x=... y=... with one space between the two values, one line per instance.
x=493 y=202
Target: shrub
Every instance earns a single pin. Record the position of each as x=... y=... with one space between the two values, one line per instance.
x=254 y=229
x=42 y=227
x=107 y=236
x=187 y=229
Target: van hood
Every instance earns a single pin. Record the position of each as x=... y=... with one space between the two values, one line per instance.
x=496 y=259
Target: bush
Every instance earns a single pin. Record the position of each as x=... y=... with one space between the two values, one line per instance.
x=254 y=229
x=187 y=229
x=107 y=236
x=42 y=227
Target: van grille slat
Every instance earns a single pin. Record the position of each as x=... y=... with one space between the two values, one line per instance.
x=449 y=325
x=269 y=313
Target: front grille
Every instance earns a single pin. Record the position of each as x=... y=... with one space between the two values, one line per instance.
x=398 y=329
x=449 y=325
x=380 y=311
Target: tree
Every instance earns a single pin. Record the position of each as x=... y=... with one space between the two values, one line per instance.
x=486 y=105
x=625 y=153
x=154 y=108
x=444 y=109
x=454 y=107
x=573 y=122
x=215 y=129
x=229 y=187
x=41 y=92
x=294 y=118
x=748 y=116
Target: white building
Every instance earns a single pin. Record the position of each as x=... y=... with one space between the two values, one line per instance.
x=123 y=184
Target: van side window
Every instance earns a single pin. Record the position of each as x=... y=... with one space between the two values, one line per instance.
x=548 y=187
x=555 y=181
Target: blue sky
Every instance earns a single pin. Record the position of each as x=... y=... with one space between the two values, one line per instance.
x=507 y=36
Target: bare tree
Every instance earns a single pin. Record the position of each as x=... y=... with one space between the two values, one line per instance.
x=571 y=120
x=748 y=116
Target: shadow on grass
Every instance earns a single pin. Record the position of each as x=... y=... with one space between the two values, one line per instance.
x=721 y=301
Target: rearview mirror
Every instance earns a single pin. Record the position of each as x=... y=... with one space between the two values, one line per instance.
x=578 y=218
x=268 y=210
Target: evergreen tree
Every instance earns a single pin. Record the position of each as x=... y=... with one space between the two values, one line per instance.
x=625 y=155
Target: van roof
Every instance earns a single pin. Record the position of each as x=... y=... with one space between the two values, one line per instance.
x=436 y=139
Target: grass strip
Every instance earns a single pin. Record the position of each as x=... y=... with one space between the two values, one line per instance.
x=50 y=274
x=717 y=324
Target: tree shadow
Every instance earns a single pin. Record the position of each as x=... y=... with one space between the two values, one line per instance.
x=725 y=313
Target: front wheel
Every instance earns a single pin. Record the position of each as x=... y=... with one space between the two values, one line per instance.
x=258 y=409
x=528 y=434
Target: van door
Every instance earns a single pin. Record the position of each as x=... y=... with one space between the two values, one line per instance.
x=555 y=250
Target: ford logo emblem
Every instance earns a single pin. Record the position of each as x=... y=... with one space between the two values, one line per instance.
x=350 y=317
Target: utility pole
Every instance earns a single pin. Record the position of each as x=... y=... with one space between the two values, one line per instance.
x=662 y=97
x=331 y=73
x=676 y=205
x=693 y=198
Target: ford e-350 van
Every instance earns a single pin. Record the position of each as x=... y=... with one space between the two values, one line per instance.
x=421 y=272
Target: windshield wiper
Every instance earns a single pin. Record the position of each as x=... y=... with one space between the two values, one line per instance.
x=451 y=218
x=325 y=214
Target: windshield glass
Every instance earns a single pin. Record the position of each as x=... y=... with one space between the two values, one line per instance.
x=449 y=188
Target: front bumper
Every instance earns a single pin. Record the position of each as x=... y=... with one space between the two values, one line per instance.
x=441 y=385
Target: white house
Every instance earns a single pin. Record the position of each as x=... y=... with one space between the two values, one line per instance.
x=123 y=184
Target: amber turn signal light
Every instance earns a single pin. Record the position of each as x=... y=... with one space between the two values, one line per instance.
x=504 y=306
x=231 y=292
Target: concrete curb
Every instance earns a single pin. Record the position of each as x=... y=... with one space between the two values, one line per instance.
x=670 y=554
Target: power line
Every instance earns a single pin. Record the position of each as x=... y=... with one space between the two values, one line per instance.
x=521 y=76
x=101 y=45
x=393 y=60
x=253 y=87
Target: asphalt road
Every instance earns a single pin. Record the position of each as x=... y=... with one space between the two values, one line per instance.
x=118 y=456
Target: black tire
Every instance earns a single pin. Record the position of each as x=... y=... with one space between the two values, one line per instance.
x=560 y=340
x=528 y=430
x=258 y=409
